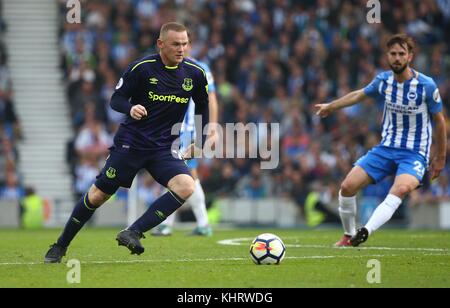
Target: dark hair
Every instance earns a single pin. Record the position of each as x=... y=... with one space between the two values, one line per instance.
x=29 y=191
x=403 y=40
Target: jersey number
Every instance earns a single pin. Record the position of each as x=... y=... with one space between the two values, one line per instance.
x=418 y=167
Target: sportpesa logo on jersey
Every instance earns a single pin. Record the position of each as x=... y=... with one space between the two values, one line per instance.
x=154 y=97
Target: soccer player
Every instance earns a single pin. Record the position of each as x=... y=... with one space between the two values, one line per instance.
x=154 y=93
x=411 y=103
x=197 y=201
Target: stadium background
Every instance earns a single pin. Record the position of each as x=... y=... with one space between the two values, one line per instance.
x=272 y=62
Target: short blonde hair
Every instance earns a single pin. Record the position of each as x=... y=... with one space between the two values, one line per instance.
x=171 y=26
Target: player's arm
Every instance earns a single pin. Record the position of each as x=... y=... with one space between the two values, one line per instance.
x=435 y=107
x=202 y=109
x=372 y=90
x=195 y=149
x=213 y=118
x=120 y=100
x=201 y=100
x=213 y=107
x=213 y=103
x=438 y=161
x=352 y=98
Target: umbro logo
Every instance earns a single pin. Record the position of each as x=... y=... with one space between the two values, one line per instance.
x=153 y=80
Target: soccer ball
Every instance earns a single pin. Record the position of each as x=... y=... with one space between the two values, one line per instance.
x=267 y=249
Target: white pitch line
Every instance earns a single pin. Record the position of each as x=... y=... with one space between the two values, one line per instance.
x=217 y=259
x=237 y=242
x=161 y=261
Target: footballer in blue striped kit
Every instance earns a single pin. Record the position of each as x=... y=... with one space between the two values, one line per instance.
x=412 y=108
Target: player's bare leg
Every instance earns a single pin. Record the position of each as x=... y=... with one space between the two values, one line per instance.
x=183 y=185
x=403 y=185
x=354 y=182
x=82 y=212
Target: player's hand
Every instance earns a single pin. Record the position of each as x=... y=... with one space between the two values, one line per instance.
x=137 y=112
x=437 y=165
x=324 y=110
x=213 y=136
x=191 y=152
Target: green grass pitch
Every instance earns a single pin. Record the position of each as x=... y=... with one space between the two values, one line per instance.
x=406 y=259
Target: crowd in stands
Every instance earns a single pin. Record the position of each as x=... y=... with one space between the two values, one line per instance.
x=272 y=62
x=10 y=133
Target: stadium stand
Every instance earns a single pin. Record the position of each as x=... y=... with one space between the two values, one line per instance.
x=273 y=61
x=10 y=129
x=35 y=84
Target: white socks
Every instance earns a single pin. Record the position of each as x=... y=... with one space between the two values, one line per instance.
x=383 y=213
x=198 y=205
x=347 y=211
x=197 y=202
x=170 y=220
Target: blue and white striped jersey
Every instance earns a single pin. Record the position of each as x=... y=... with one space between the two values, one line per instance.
x=408 y=110
x=188 y=125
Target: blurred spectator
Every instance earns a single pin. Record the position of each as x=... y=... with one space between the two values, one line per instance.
x=87 y=96
x=296 y=141
x=12 y=189
x=148 y=189
x=32 y=210
x=85 y=173
x=316 y=208
x=272 y=61
x=437 y=192
x=10 y=129
x=93 y=138
x=440 y=189
x=8 y=155
x=256 y=185
x=221 y=180
x=7 y=111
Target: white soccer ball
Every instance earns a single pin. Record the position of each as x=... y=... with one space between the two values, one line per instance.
x=267 y=248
